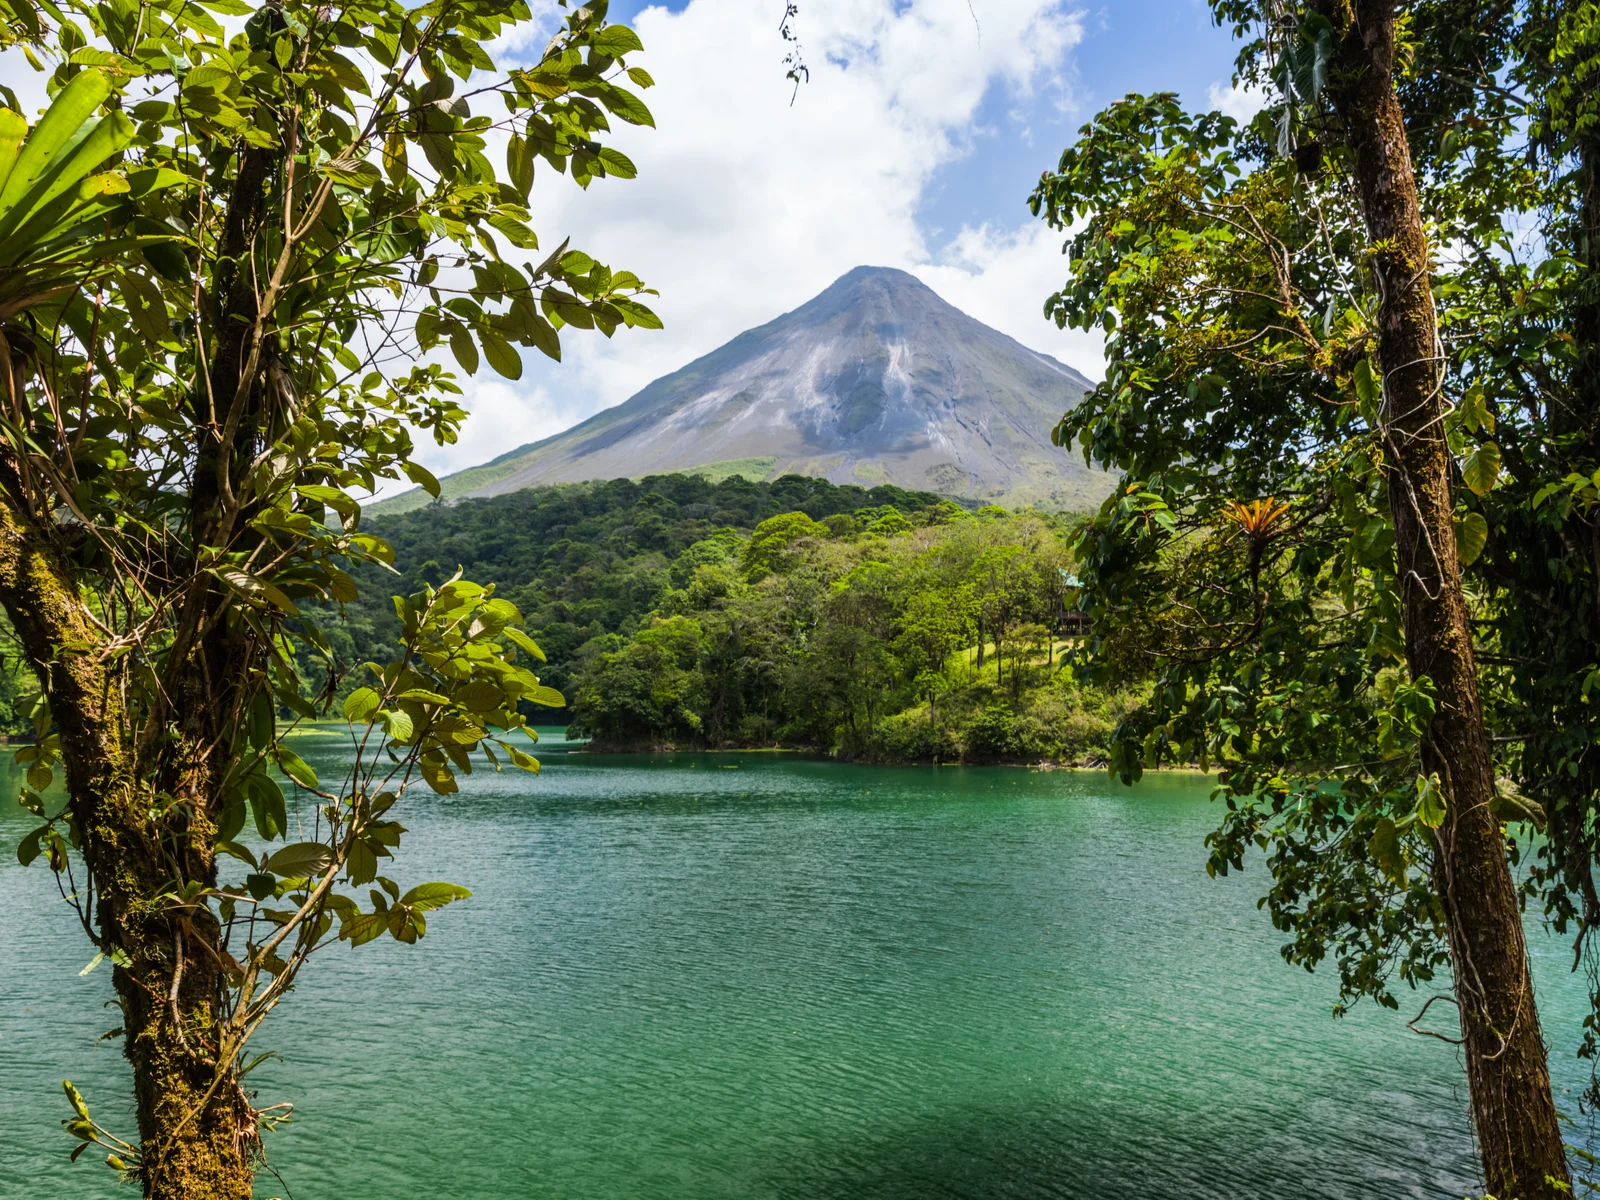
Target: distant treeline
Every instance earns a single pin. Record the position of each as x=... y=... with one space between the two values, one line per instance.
x=873 y=623
x=580 y=560
x=873 y=635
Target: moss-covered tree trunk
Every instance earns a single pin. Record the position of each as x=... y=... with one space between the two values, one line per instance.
x=1508 y=1075
x=197 y=1131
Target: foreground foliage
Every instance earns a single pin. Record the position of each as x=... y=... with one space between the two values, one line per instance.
x=1346 y=513
x=226 y=251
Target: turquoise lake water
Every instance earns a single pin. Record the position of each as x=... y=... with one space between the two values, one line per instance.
x=757 y=977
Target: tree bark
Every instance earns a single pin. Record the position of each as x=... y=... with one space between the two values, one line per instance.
x=1513 y=1112
x=197 y=1140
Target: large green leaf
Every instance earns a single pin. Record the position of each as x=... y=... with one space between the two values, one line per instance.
x=56 y=129
x=434 y=895
x=53 y=205
x=1472 y=534
x=301 y=859
x=1481 y=468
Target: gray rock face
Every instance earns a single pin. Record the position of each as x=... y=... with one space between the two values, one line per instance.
x=876 y=380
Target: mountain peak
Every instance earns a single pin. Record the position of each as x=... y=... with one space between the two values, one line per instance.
x=876 y=379
x=890 y=275
x=882 y=280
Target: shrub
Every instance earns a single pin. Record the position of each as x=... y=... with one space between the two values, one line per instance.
x=992 y=733
x=910 y=736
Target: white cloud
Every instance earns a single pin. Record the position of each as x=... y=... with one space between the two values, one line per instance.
x=1241 y=102
x=1002 y=278
x=746 y=207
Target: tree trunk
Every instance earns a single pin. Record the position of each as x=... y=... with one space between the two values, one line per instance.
x=1513 y=1112
x=197 y=1141
x=197 y=1131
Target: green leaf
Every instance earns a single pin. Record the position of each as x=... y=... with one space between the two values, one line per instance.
x=544 y=337
x=342 y=587
x=480 y=696
x=362 y=866
x=1365 y=379
x=1472 y=535
x=1430 y=802
x=1384 y=846
x=262 y=719
x=623 y=103
x=548 y=696
x=267 y=806
x=526 y=642
x=296 y=768
x=301 y=859
x=1473 y=412
x=640 y=317
x=75 y=1098
x=618 y=163
x=424 y=696
x=522 y=759
x=436 y=773
x=231 y=820
x=358 y=931
x=28 y=847
x=74 y=105
x=466 y=353
x=398 y=724
x=422 y=477
x=1481 y=468
x=242 y=853
x=429 y=896
x=501 y=354
x=1509 y=804
x=614 y=41
x=518 y=234
x=361 y=176
x=253 y=587
x=360 y=704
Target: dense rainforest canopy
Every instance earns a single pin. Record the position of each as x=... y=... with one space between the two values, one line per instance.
x=580 y=560
x=674 y=611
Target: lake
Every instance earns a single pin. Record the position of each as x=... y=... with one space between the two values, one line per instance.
x=758 y=977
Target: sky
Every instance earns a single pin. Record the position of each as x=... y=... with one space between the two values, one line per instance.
x=915 y=144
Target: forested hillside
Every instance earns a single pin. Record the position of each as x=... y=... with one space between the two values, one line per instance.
x=673 y=610
x=581 y=561
x=867 y=635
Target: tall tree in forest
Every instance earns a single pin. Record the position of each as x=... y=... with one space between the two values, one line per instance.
x=1513 y=1111
x=226 y=261
x=1308 y=463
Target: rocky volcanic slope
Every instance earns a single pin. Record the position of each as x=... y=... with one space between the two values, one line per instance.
x=876 y=380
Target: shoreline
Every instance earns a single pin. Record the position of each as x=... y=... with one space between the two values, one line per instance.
x=1043 y=765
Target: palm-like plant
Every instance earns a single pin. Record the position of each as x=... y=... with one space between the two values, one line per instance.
x=57 y=208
